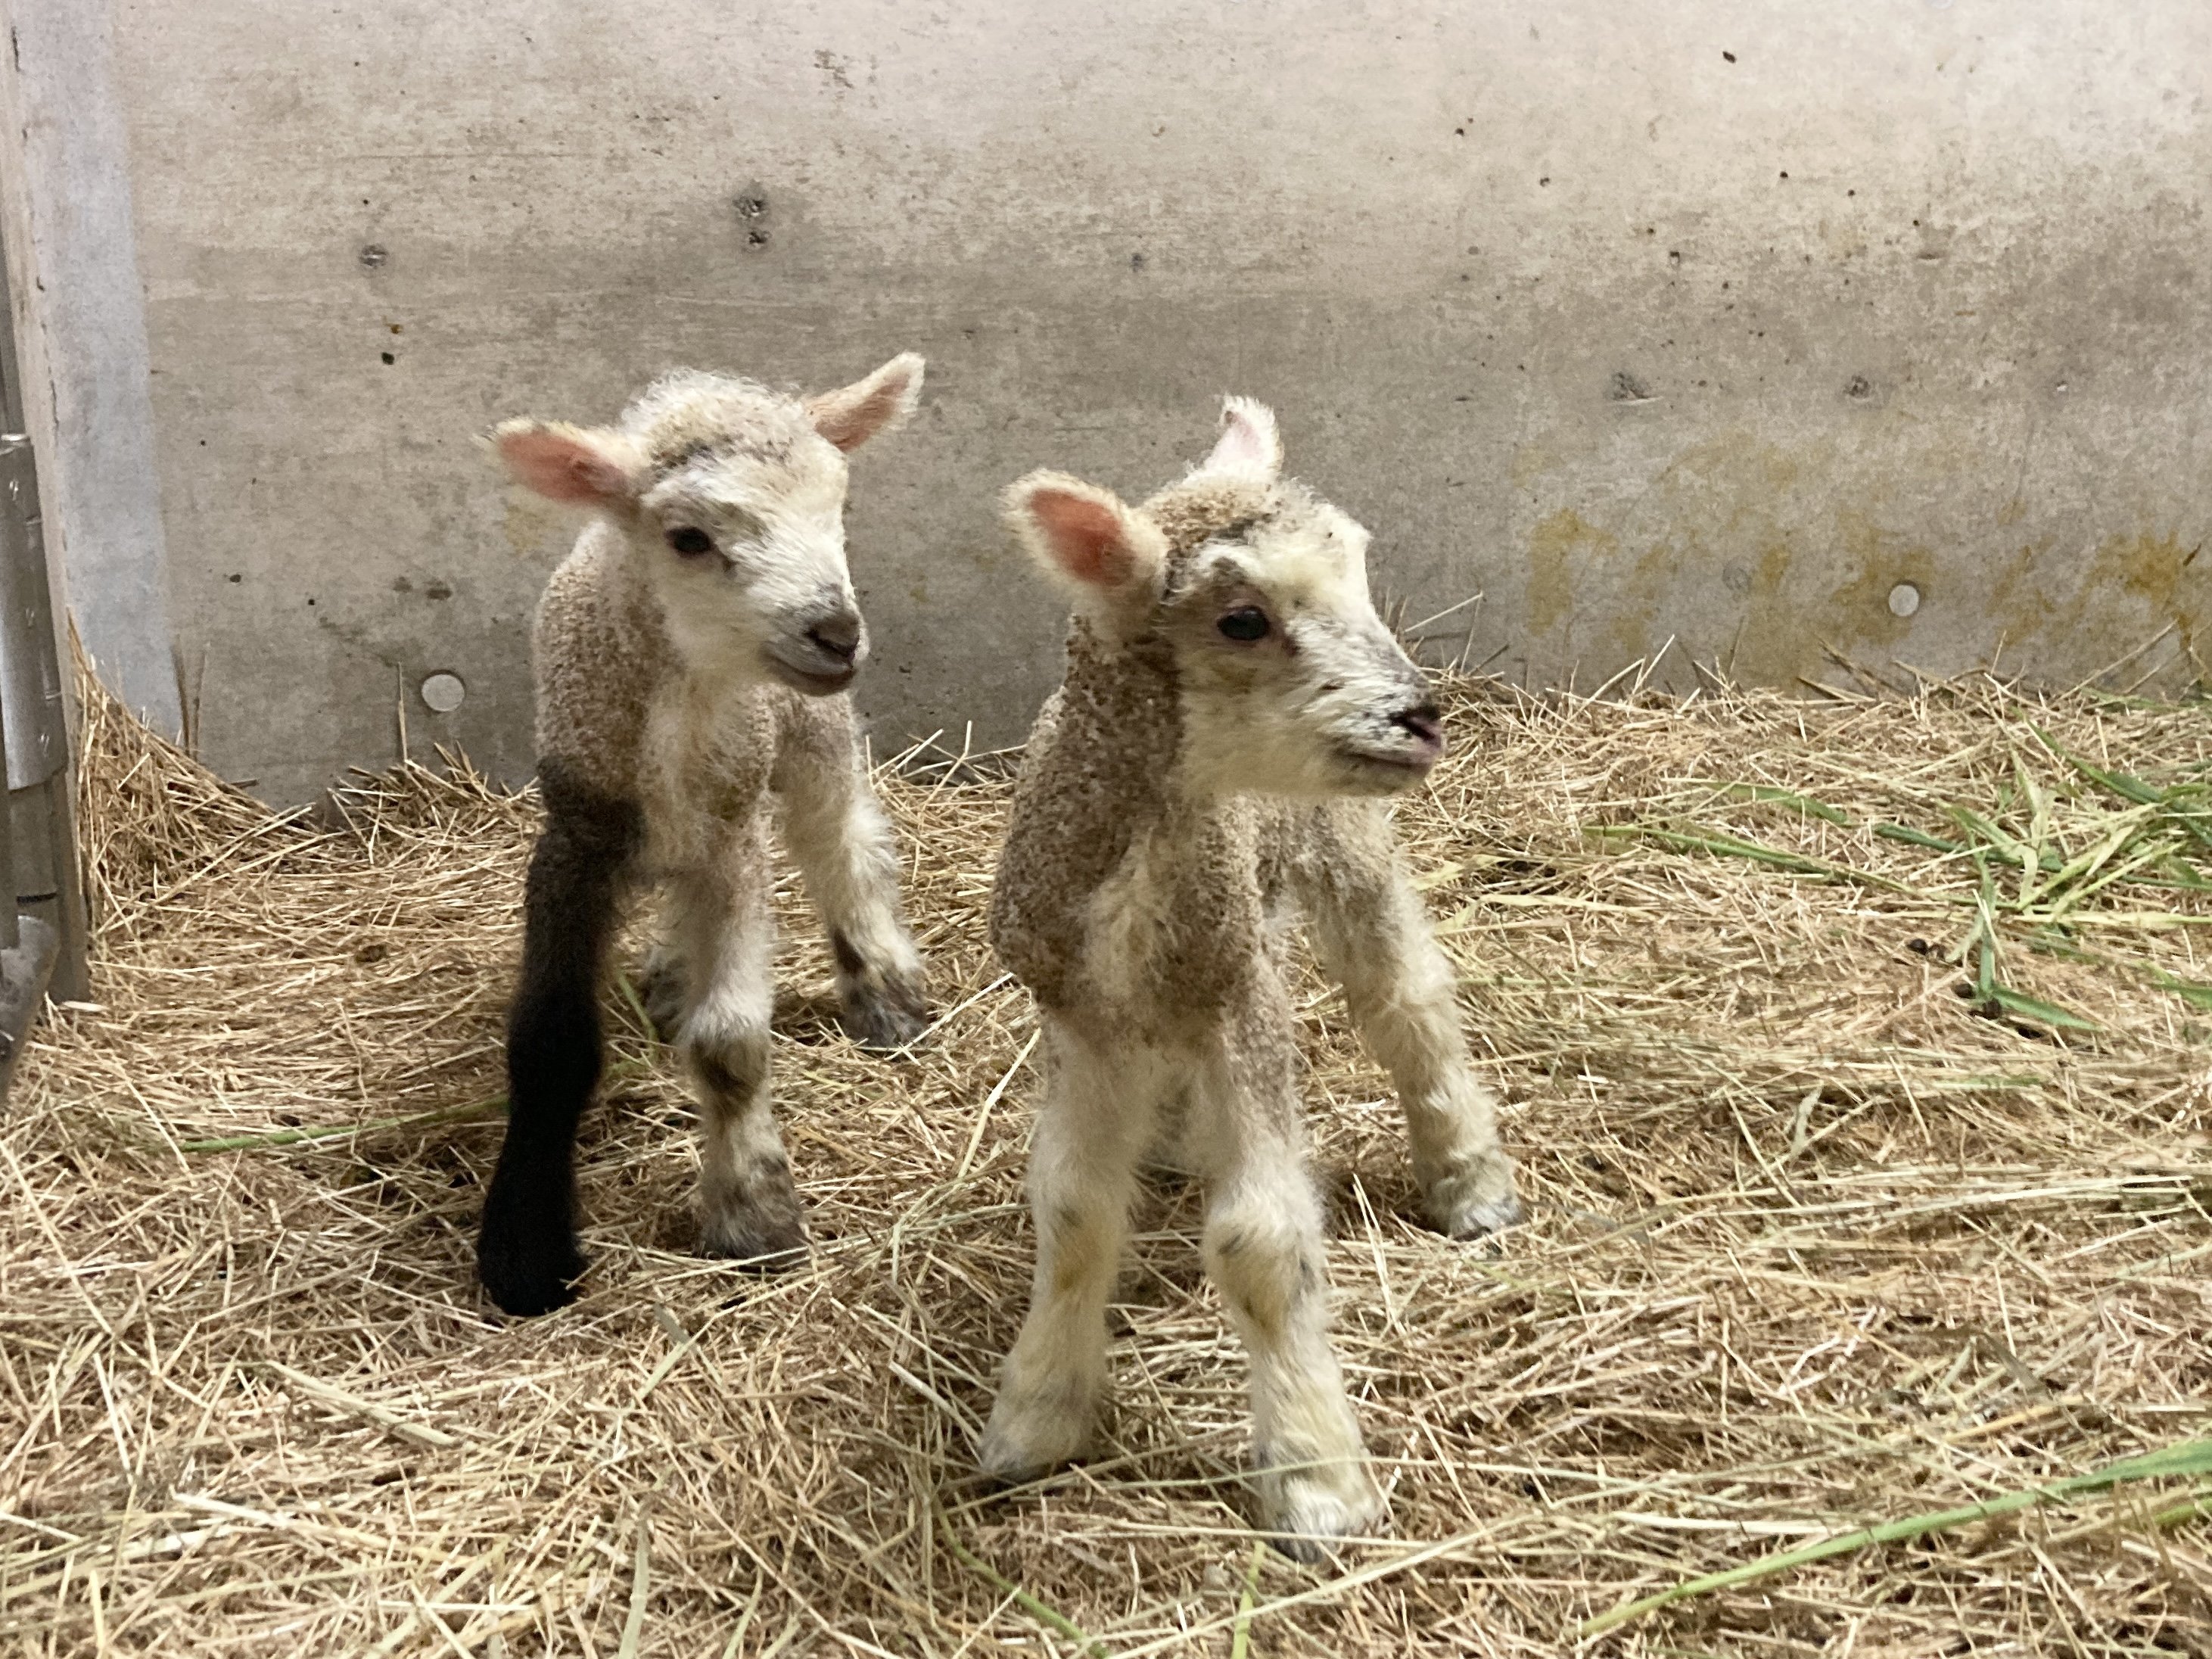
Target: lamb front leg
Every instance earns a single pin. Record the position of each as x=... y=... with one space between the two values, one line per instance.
x=843 y=849
x=526 y=1249
x=1263 y=1249
x=1373 y=937
x=721 y=930
x=1093 y=1125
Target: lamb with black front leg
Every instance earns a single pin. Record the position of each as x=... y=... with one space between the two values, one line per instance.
x=692 y=654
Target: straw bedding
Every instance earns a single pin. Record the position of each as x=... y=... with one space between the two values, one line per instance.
x=1816 y=1240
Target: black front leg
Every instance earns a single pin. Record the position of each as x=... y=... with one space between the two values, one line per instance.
x=527 y=1250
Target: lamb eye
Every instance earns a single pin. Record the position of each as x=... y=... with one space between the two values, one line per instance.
x=1245 y=625
x=690 y=541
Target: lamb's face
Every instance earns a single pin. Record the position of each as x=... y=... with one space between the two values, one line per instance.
x=746 y=552
x=1289 y=681
x=1290 y=684
x=732 y=502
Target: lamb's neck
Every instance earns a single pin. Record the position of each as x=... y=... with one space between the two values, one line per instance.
x=1121 y=728
x=1099 y=798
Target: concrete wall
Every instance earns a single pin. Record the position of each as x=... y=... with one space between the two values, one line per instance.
x=1674 y=319
x=79 y=321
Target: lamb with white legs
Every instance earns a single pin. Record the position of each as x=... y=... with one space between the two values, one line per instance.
x=1233 y=717
x=690 y=653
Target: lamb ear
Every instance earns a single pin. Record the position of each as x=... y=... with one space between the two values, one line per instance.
x=1087 y=538
x=852 y=414
x=1248 y=440
x=568 y=463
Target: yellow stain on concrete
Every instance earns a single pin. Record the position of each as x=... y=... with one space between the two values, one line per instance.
x=1739 y=547
x=1856 y=612
x=1769 y=647
x=1530 y=462
x=2160 y=573
x=2095 y=611
x=1552 y=546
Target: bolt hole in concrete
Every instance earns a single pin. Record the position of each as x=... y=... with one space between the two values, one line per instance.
x=1904 y=600
x=443 y=692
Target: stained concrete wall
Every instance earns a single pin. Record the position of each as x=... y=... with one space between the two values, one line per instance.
x=1679 y=319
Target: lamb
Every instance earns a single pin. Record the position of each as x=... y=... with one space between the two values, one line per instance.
x=690 y=656
x=1233 y=719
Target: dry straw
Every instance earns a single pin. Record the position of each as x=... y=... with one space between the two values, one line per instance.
x=1855 y=1051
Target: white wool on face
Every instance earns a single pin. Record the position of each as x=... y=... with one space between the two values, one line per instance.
x=778 y=526
x=1281 y=715
x=745 y=466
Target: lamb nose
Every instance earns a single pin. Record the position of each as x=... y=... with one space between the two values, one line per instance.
x=840 y=635
x=1425 y=722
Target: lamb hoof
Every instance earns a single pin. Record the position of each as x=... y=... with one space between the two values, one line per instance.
x=1307 y=1513
x=528 y=1269
x=762 y=1237
x=1476 y=1199
x=1032 y=1434
x=882 y=1017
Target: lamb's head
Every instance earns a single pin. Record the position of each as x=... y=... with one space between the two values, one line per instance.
x=1256 y=589
x=731 y=500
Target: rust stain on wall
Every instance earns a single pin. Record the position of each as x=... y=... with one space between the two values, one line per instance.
x=1552 y=546
x=1761 y=559
x=2018 y=602
x=2160 y=573
x=1856 y=613
x=2095 y=610
x=1770 y=646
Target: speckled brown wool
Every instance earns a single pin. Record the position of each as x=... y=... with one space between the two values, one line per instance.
x=1232 y=715
x=691 y=655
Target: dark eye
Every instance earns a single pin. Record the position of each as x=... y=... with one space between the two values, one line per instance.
x=690 y=541
x=1245 y=625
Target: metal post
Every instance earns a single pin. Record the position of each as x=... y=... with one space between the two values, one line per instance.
x=42 y=937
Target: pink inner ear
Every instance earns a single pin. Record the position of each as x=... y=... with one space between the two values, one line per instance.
x=1085 y=535
x=1242 y=444
x=849 y=425
x=564 y=467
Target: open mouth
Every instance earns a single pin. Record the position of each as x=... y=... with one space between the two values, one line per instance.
x=1413 y=765
x=1420 y=743
x=1383 y=771
x=815 y=682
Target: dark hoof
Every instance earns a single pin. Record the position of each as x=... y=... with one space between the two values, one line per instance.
x=883 y=1017
x=1306 y=1551
x=758 y=1244
x=528 y=1270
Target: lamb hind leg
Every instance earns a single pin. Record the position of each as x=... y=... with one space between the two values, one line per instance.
x=527 y=1250
x=663 y=985
x=1373 y=938
x=842 y=846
